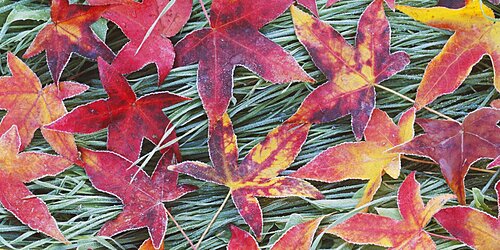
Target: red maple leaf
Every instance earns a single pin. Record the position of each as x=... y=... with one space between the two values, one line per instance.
x=129 y=119
x=456 y=146
x=352 y=71
x=70 y=32
x=234 y=39
x=141 y=195
x=135 y=19
x=19 y=168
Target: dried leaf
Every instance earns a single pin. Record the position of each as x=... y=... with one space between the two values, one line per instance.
x=129 y=119
x=352 y=72
x=30 y=107
x=135 y=19
x=19 y=168
x=475 y=228
x=456 y=146
x=70 y=32
x=366 y=160
x=257 y=174
x=234 y=39
x=475 y=36
x=409 y=233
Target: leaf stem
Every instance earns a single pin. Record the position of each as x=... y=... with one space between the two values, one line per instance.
x=180 y=229
x=205 y=12
x=442 y=236
x=413 y=101
x=213 y=219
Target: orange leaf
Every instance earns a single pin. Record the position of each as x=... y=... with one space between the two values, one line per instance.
x=148 y=245
x=30 y=107
x=70 y=32
x=475 y=36
x=366 y=160
x=257 y=174
x=409 y=233
x=19 y=168
x=352 y=72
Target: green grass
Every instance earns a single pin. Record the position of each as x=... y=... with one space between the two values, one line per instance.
x=258 y=107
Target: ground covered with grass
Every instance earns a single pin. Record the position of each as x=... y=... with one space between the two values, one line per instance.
x=257 y=107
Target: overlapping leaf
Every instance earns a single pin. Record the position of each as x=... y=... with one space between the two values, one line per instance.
x=141 y=195
x=298 y=237
x=19 y=168
x=30 y=107
x=123 y=114
x=366 y=160
x=475 y=228
x=234 y=39
x=364 y=228
x=70 y=32
x=352 y=72
x=475 y=35
x=135 y=19
x=257 y=174
x=456 y=146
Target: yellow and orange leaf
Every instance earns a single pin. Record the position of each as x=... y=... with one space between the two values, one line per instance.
x=364 y=228
x=30 y=107
x=475 y=228
x=366 y=160
x=352 y=71
x=257 y=174
x=476 y=35
x=69 y=33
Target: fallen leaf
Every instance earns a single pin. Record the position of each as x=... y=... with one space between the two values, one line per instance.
x=298 y=237
x=135 y=19
x=129 y=119
x=19 y=168
x=473 y=227
x=141 y=195
x=233 y=39
x=257 y=174
x=456 y=146
x=366 y=160
x=364 y=228
x=70 y=32
x=312 y=6
x=30 y=107
x=475 y=36
x=352 y=72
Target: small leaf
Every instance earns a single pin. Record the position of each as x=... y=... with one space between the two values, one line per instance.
x=70 y=32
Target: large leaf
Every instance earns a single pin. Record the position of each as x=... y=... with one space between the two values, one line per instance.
x=351 y=71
